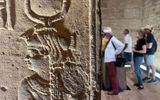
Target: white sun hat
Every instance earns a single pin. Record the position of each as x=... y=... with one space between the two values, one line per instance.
x=107 y=30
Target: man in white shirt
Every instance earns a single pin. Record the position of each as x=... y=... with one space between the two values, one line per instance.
x=128 y=47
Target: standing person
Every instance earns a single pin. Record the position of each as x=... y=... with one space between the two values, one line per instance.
x=139 y=51
x=105 y=80
x=110 y=58
x=150 y=55
x=128 y=47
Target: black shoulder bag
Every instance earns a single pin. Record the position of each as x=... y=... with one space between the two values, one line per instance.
x=120 y=61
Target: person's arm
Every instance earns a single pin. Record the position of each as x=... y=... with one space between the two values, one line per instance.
x=150 y=41
x=149 y=45
x=141 y=51
x=126 y=45
x=126 y=42
x=119 y=46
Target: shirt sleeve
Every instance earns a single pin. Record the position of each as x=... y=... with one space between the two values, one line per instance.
x=126 y=41
x=119 y=45
x=144 y=42
x=150 y=39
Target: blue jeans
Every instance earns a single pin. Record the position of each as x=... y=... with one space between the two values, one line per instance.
x=137 y=62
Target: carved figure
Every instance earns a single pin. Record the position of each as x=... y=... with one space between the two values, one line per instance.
x=54 y=58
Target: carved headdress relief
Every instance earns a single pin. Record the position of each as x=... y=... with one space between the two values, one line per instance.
x=52 y=55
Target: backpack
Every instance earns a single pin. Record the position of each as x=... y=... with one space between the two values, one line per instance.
x=155 y=45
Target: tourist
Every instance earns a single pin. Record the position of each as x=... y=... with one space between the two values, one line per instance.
x=110 y=58
x=128 y=47
x=150 y=55
x=139 y=51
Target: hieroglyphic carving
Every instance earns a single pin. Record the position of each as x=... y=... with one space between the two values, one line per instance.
x=7 y=10
x=53 y=56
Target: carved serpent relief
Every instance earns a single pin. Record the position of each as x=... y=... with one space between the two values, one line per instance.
x=53 y=56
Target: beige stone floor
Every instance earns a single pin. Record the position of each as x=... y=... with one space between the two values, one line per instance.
x=150 y=92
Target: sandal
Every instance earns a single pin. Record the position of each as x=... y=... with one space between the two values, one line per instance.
x=146 y=78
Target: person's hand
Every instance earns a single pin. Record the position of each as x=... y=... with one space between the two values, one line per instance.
x=134 y=50
x=132 y=68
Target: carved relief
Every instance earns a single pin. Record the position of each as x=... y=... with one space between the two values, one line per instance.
x=7 y=9
x=53 y=56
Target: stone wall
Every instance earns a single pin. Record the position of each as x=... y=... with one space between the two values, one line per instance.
x=121 y=14
x=151 y=16
x=48 y=49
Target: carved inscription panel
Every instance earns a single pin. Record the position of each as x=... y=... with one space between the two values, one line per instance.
x=53 y=54
x=47 y=53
